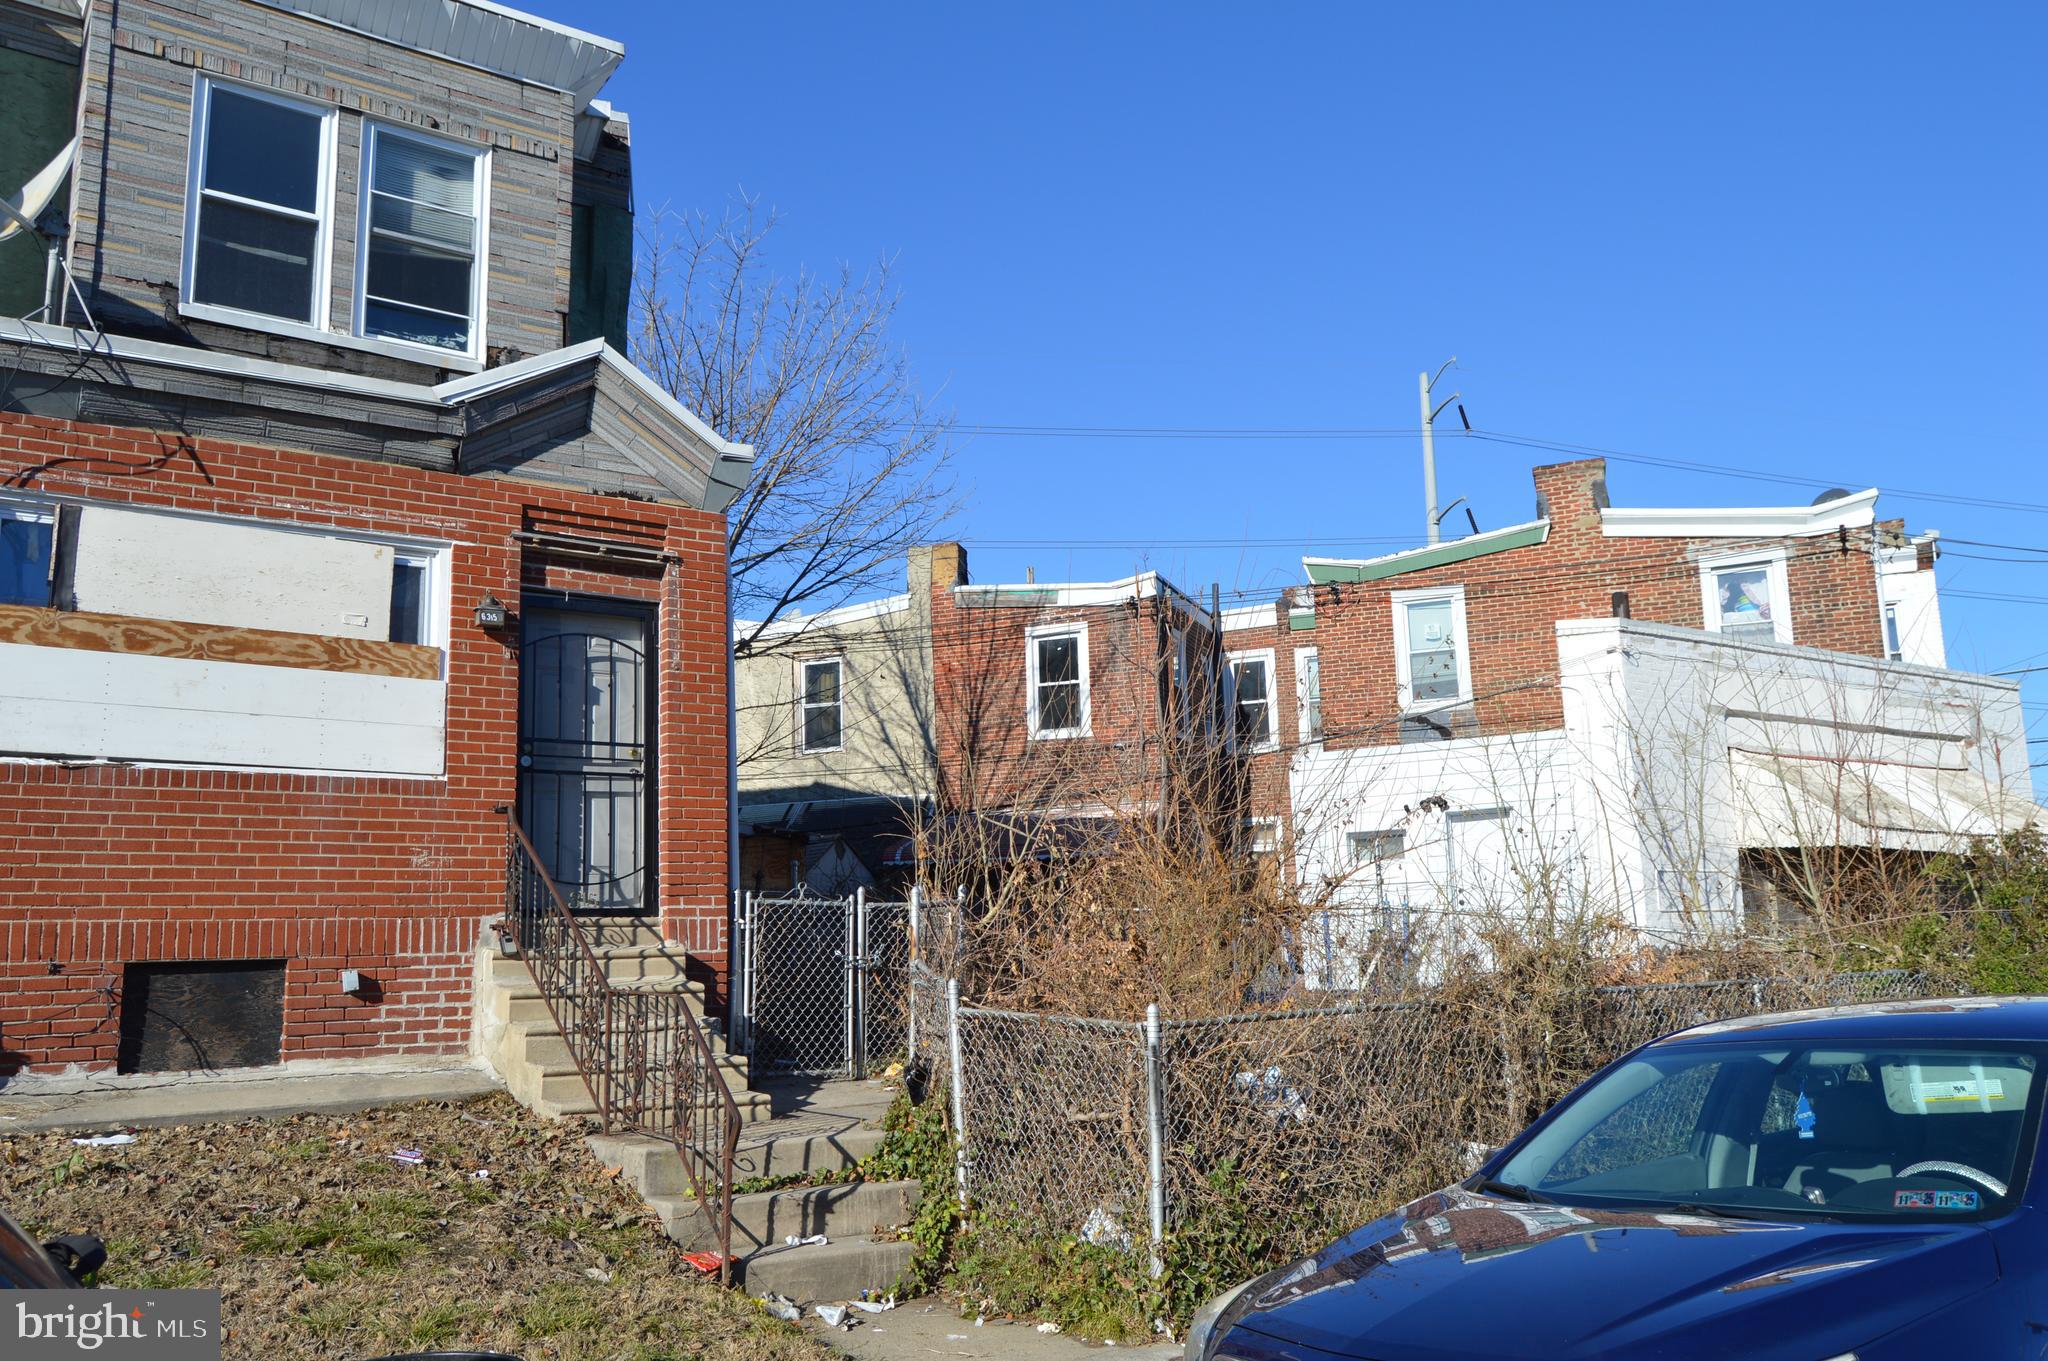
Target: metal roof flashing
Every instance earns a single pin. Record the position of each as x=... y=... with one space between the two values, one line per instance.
x=1322 y=571
x=479 y=33
x=730 y=462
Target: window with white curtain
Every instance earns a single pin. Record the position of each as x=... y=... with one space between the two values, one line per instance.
x=258 y=203
x=419 y=274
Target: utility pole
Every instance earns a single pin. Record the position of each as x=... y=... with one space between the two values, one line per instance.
x=1426 y=385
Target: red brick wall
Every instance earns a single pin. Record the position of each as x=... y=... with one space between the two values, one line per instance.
x=987 y=757
x=103 y=865
x=1513 y=600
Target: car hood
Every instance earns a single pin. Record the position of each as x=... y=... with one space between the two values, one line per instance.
x=1458 y=1276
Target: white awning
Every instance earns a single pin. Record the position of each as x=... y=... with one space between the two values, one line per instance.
x=1784 y=800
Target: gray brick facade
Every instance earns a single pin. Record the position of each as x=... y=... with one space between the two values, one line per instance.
x=144 y=58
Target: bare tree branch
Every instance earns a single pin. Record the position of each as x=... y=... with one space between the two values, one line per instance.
x=852 y=466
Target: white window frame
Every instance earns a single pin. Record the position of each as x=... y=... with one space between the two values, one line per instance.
x=1403 y=664
x=203 y=87
x=1303 y=656
x=1773 y=561
x=1263 y=656
x=804 y=706
x=433 y=623
x=1894 y=633
x=1032 y=637
x=359 y=288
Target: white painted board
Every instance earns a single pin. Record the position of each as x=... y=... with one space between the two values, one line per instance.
x=159 y=566
x=58 y=701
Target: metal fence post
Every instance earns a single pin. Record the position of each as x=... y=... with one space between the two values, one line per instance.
x=910 y=975
x=1155 y=1137
x=743 y=988
x=959 y=1094
x=857 y=987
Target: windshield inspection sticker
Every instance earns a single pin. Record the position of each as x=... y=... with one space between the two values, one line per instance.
x=1935 y=1200
x=1978 y=1089
x=1802 y=1114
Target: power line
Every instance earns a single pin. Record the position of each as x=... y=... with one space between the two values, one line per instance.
x=1051 y=431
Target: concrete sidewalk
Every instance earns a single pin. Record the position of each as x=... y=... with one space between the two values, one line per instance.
x=933 y=1327
x=101 y=1101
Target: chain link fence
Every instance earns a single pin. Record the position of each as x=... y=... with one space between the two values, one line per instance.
x=823 y=983
x=1304 y=1121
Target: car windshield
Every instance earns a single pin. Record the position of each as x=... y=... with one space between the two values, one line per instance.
x=1905 y=1133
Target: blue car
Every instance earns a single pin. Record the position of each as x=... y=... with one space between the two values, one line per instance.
x=1851 y=1184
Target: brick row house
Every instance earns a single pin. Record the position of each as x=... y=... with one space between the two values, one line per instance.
x=1603 y=708
x=334 y=525
x=1647 y=712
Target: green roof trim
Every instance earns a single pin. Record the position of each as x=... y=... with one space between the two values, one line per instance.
x=1323 y=571
x=1300 y=621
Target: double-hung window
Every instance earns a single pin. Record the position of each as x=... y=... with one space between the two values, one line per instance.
x=1058 y=680
x=1745 y=597
x=1893 y=649
x=421 y=241
x=1430 y=655
x=257 y=207
x=28 y=547
x=1308 y=679
x=821 y=720
x=1251 y=674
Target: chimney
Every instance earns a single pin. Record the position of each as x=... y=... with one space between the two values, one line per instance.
x=1571 y=495
x=949 y=564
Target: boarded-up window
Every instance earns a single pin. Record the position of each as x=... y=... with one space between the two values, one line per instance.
x=183 y=1017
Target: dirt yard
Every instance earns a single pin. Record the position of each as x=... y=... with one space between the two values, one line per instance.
x=508 y=1235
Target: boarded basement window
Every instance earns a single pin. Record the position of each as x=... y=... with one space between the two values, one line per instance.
x=180 y=1017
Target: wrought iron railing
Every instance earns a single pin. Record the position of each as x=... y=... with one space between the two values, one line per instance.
x=642 y=1053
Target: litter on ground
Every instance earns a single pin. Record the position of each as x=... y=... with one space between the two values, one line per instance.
x=105 y=1141
x=815 y=1240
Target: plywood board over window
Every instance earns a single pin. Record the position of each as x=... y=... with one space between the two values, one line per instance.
x=218 y=572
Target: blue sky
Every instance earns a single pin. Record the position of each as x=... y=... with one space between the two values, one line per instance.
x=1801 y=239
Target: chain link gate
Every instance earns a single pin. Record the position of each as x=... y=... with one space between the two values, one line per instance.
x=823 y=983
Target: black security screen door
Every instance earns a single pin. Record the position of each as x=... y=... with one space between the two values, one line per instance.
x=583 y=753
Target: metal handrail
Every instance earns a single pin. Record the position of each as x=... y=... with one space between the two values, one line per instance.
x=642 y=1055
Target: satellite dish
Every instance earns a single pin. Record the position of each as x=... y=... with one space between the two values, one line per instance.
x=1831 y=494
x=20 y=210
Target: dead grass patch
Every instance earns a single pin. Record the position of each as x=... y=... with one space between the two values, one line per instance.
x=325 y=1249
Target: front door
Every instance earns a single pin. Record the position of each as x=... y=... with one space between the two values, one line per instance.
x=584 y=800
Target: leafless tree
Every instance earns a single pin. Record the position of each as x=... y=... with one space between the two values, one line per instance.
x=851 y=465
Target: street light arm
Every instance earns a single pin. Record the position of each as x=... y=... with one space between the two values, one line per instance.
x=1440 y=373
x=1444 y=403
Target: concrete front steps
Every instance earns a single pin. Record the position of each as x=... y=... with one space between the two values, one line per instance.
x=857 y=1218
x=516 y=1033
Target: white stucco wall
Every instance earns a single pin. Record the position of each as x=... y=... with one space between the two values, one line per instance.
x=1666 y=767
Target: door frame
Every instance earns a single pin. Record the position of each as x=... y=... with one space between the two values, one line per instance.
x=648 y=612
